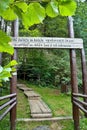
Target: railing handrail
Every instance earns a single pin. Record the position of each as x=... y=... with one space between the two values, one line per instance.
x=79 y=95
x=79 y=101
x=80 y=106
x=10 y=104
x=7 y=110
x=7 y=103
x=8 y=96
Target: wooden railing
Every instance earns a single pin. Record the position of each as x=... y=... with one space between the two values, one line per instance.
x=82 y=105
x=8 y=105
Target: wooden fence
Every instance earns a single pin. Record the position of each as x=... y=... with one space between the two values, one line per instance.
x=82 y=105
x=8 y=104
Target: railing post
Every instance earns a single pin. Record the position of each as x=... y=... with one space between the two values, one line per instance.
x=74 y=84
x=84 y=75
x=13 y=82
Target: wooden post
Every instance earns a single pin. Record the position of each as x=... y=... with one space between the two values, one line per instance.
x=84 y=74
x=13 y=82
x=74 y=84
x=0 y=58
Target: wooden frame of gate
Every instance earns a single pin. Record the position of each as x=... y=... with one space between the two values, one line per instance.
x=70 y=43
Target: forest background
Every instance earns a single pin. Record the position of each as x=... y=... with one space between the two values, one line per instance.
x=48 y=67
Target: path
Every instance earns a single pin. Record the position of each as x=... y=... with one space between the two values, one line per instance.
x=38 y=107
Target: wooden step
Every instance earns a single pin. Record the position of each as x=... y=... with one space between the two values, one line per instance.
x=23 y=87
x=39 y=109
x=31 y=95
x=47 y=115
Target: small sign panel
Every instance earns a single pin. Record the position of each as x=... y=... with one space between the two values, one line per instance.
x=47 y=42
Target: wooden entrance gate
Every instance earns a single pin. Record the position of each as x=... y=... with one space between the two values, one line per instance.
x=70 y=43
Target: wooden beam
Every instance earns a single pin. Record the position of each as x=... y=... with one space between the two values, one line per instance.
x=84 y=75
x=7 y=110
x=8 y=96
x=0 y=58
x=73 y=75
x=13 y=82
x=44 y=119
x=79 y=95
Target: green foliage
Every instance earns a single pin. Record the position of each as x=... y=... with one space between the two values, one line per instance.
x=56 y=27
x=32 y=16
x=44 y=67
x=6 y=71
x=83 y=123
x=80 y=23
x=52 y=9
x=67 y=7
x=22 y=5
x=12 y=15
x=35 y=12
x=32 y=33
x=4 y=5
x=4 y=43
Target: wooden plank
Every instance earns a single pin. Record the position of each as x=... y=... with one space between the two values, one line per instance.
x=47 y=42
x=38 y=106
x=44 y=119
x=44 y=115
x=31 y=94
x=43 y=106
x=23 y=87
x=34 y=107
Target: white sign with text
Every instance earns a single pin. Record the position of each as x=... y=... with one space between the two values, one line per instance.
x=47 y=42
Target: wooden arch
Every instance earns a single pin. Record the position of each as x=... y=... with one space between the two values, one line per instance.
x=72 y=45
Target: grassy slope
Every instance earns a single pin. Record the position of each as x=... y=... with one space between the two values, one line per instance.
x=56 y=101
x=23 y=110
x=60 y=104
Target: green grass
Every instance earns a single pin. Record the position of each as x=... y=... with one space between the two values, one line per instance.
x=23 y=110
x=53 y=125
x=59 y=103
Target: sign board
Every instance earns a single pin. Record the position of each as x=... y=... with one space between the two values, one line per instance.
x=47 y=42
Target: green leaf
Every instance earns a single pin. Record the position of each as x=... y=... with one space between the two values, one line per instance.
x=17 y=11
x=4 y=74
x=5 y=79
x=4 y=43
x=12 y=63
x=8 y=69
x=1 y=68
x=67 y=8
x=34 y=15
x=3 y=5
x=52 y=9
x=9 y=14
x=22 y=5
